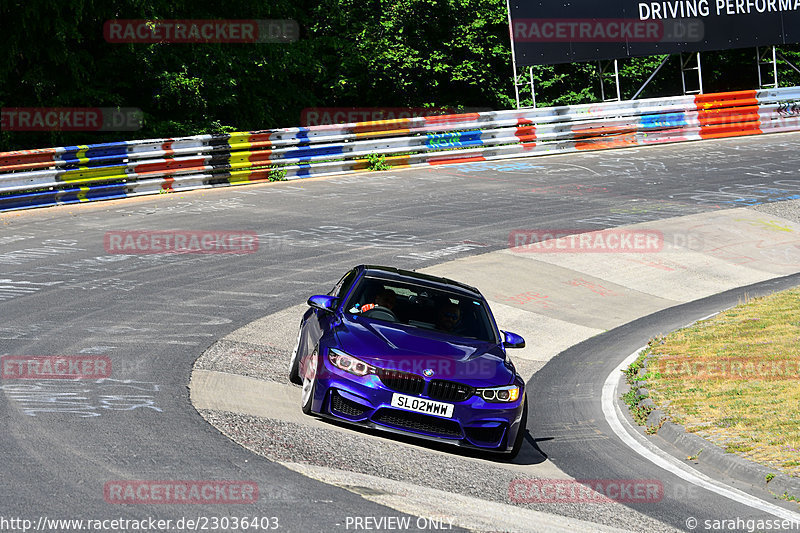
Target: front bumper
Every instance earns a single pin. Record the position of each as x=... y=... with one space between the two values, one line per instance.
x=366 y=401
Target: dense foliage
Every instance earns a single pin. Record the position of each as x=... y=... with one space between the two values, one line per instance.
x=352 y=53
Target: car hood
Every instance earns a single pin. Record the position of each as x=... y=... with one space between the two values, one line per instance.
x=395 y=347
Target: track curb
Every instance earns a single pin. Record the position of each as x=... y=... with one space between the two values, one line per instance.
x=699 y=449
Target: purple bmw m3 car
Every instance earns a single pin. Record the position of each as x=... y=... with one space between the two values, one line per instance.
x=410 y=353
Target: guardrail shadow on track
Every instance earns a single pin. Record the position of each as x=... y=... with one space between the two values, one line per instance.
x=74 y=174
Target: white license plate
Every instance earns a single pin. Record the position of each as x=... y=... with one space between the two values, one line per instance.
x=421 y=405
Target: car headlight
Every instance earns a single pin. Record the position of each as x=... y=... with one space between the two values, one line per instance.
x=348 y=363
x=499 y=394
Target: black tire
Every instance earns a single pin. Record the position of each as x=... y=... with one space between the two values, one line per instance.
x=294 y=362
x=523 y=429
x=310 y=387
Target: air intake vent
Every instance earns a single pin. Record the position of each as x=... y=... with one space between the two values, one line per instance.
x=401 y=381
x=449 y=391
x=419 y=423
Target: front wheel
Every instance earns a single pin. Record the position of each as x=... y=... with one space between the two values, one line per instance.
x=310 y=384
x=294 y=361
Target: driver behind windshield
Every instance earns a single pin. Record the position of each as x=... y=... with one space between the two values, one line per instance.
x=385 y=298
x=448 y=317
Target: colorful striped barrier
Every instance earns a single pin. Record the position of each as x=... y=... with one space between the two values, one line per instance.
x=72 y=174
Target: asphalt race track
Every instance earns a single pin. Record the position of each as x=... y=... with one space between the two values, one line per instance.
x=62 y=293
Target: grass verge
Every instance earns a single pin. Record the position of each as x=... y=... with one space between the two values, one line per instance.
x=734 y=379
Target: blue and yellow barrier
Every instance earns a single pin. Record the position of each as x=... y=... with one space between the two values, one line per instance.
x=75 y=174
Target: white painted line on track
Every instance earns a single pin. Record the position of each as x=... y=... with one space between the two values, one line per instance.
x=638 y=443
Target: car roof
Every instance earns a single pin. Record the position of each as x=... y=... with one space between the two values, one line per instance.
x=398 y=274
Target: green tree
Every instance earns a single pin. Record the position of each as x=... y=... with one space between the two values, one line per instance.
x=351 y=53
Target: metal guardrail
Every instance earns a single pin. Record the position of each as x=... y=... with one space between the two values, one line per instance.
x=73 y=174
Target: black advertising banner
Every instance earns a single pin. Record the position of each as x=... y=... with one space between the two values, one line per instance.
x=568 y=31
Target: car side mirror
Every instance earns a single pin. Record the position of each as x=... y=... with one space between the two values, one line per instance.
x=323 y=302
x=512 y=340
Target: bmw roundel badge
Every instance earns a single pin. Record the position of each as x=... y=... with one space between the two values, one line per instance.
x=428 y=372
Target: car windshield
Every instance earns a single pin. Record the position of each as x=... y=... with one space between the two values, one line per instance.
x=421 y=307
